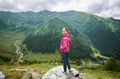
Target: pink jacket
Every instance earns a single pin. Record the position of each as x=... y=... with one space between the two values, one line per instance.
x=65 y=43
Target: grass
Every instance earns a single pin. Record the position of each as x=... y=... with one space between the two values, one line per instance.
x=7 y=39
x=44 y=57
x=13 y=74
x=99 y=74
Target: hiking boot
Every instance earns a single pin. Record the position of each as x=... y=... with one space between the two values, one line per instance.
x=65 y=73
x=70 y=70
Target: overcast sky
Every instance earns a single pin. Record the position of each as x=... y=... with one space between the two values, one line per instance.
x=105 y=8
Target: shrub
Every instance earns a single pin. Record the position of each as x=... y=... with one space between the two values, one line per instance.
x=112 y=64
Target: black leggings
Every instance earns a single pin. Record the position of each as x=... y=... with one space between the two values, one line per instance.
x=65 y=61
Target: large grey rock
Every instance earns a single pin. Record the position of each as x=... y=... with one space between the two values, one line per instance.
x=57 y=73
x=32 y=75
x=2 y=76
x=27 y=76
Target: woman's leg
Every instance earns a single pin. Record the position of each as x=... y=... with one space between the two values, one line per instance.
x=67 y=61
x=64 y=61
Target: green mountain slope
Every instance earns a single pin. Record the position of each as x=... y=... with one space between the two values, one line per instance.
x=91 y=35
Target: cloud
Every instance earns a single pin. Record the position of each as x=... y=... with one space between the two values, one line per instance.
x=7 y=5
x=105 y=8
x=26 y=5
x=113 y=12
x=97 y=7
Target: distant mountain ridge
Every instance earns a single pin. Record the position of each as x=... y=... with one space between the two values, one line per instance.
x=90 y=34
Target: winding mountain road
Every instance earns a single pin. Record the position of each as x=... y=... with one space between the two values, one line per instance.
x=18 y=51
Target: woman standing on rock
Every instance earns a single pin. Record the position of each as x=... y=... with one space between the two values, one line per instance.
x=64 y=48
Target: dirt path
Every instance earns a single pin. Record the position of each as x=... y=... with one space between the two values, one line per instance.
x=18 y=51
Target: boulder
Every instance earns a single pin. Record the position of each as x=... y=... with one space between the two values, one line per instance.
x=57 y=73
x=32 y=75
x=2 y=76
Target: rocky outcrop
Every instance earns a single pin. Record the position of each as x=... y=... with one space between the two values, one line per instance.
x=57 y=73
x=2 y=76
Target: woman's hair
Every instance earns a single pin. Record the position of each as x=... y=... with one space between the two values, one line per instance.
x=66 y=29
